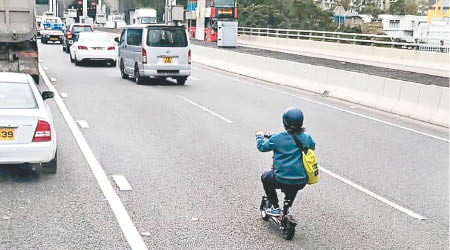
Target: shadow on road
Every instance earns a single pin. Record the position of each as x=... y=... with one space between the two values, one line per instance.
x=18 y=173
x=159 y=82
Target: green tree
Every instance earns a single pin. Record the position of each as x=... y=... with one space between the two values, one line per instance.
x=371 y=9
x=412 y=7
x=398 y=8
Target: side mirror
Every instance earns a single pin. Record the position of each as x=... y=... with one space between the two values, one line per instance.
x=47 y=95
x=117 y=39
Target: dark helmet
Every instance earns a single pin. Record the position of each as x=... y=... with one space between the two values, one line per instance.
x=293 y=119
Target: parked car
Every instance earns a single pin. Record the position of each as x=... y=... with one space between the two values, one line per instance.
x=93 y=46
x=71 y=31
x=27 y=132
x=157 y=51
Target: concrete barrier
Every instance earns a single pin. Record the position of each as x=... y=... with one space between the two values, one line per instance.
x=423 y=102
x=390 y=96
x=407 y=101
x=427 y=103
x=400 y=57
x=441 y=116
x=374 y=91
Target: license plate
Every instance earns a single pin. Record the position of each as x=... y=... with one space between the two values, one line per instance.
x=97 y=48
x=7 y=134
x=53 y=38
x=167 y=59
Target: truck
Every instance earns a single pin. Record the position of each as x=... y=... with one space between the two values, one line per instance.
x=51 y=30
x=18 y=44
x=143 y=16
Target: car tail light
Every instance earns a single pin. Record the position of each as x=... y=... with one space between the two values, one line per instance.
x=82 y=47
x=43 y=132
x=111 y=48
x=69 y=35
x=144 y=56
x=189 y=56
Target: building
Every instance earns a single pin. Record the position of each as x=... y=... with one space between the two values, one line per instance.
x=404 y=28
x=439 y=10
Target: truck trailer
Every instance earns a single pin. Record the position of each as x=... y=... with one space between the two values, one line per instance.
x=18 y=46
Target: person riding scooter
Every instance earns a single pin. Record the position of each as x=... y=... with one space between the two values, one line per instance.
x=288 y=172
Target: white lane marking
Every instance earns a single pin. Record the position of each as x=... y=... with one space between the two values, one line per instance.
x=53 y=79
x=82 y=123
x=41 y=61
x=205 y=109
x=46 y=68
x=192 y=67
x=193 y=78
x=64 y=95
x=336 y=108
x=372 y=194
x=122 y=183
x=126 y=224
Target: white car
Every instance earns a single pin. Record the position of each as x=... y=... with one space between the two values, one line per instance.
x=27 y=132
x=93 y=46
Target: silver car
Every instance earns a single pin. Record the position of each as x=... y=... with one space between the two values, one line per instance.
x=27 y=132
x=157 y=51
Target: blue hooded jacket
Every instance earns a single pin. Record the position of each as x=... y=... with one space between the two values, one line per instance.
x=287 y=159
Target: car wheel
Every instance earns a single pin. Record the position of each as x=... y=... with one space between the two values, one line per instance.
x=71 y=58
x=52 y=166
x=137 y=76
x=64 y=48
x=68 y=49
x=122 y=71
x=112 y=63
x=77 y=63
x=43 y=40
x=181 y=80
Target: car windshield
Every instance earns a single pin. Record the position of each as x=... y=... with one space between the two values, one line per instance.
x=16 y=96
x=77 y=29
x=93 y=37
x=167 y=37
x=148 y=20
x=52 y=20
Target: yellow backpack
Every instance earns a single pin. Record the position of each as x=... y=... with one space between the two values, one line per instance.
x=309 y=162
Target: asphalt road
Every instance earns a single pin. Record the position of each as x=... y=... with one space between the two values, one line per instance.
x=195 y=172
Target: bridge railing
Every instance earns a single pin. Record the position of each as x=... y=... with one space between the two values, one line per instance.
x=341 y=37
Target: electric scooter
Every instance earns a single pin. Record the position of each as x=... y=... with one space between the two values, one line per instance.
x=285 y=221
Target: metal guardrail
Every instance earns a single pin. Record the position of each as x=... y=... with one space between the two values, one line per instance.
x=341 y=37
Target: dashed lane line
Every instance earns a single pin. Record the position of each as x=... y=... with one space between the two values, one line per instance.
x=122 y=183
x=126 y=224
x=372 y=194
x=205 y=109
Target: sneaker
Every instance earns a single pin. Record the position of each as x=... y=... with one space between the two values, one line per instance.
x=272 y=211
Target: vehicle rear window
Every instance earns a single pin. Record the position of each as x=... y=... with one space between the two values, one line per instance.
x=16 y=96
x=167 y=37
x=77 y=29
x=94 y=37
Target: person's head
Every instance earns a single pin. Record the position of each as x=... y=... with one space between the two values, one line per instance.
x=293 y=120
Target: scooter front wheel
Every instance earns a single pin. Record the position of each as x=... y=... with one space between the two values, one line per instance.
x=288 y=231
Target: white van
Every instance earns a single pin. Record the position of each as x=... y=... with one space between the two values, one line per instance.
x=156 y=51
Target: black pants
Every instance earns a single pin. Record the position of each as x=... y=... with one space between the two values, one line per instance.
x=271 y=184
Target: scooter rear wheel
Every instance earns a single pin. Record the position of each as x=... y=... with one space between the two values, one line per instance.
x=263 y=207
